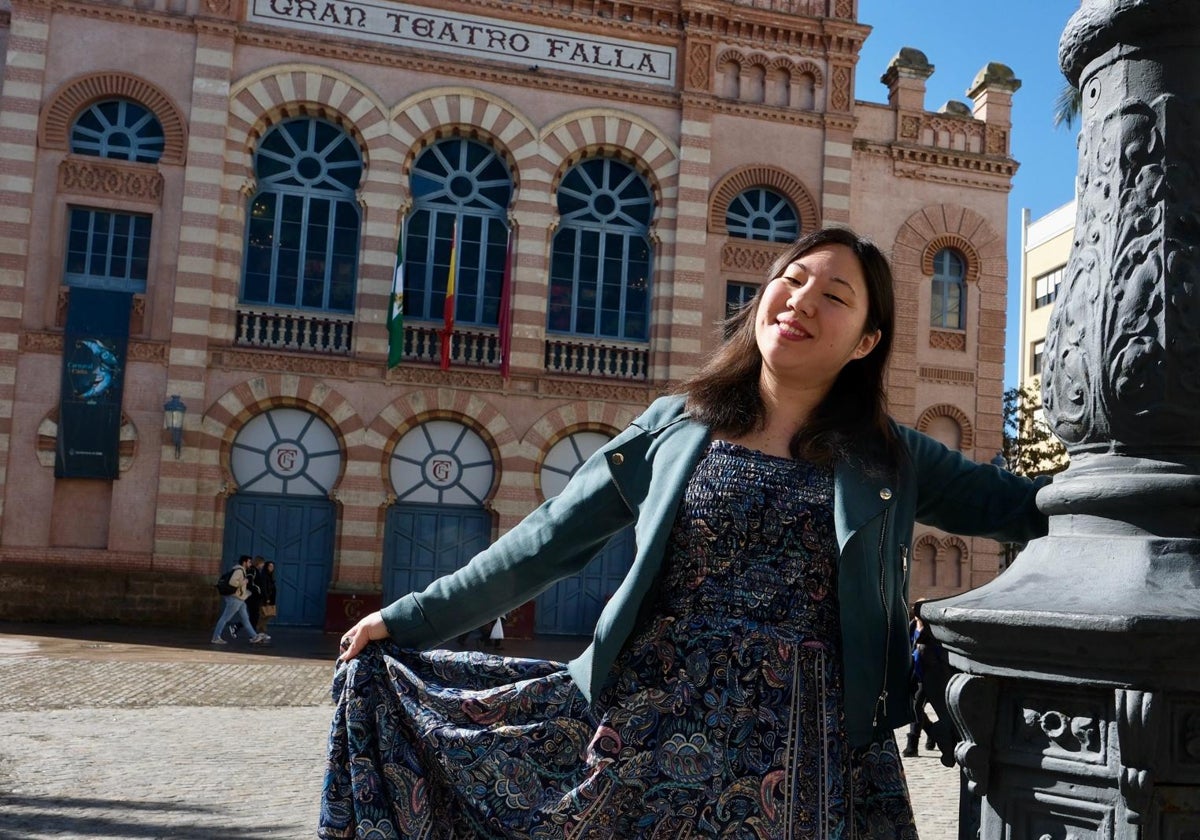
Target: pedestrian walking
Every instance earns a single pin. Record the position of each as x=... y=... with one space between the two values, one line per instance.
x=748 y=674
x=254 y=599
x=267 y=609
x=233 y=589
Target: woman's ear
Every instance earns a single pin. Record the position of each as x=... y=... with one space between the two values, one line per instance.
x=867 y=343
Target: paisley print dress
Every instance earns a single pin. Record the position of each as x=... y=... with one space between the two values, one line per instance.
x=723 y=716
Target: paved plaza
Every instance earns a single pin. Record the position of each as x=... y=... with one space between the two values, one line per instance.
x=118 y=732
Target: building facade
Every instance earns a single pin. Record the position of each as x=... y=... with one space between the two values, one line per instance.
x=1045 y=247
x=602 y=179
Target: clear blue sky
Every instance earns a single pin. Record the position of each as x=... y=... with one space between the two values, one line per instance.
x=959 y=38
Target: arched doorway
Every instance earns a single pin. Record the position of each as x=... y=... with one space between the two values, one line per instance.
x=441 y=472
x=285 y=461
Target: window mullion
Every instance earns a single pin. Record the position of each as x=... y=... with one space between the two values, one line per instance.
x=331 y=228
x=277 y=232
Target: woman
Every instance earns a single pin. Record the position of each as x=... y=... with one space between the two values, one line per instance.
x=266 y=583
x=746 y=677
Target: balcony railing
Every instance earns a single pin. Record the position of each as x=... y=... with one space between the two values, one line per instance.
x=468 y=347
x=590 y=358
x=294 y=330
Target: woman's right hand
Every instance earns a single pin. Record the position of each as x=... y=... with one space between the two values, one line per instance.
x=370 y=628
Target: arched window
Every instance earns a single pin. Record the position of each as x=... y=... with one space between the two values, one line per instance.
x=948 y=297
x=303 y=228
x=463 y=181
x=762 y=214
x=118 y=129
x=106 y=249
x=600 y=258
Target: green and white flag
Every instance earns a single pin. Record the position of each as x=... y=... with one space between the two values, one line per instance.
x=395 y=323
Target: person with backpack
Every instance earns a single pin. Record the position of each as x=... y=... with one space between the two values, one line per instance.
x=234 y=589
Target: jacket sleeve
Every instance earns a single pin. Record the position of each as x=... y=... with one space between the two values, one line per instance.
x=238 y=581
x=960 y=496
x=554 y=541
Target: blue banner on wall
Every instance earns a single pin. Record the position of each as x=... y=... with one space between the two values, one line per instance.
x=89 y=413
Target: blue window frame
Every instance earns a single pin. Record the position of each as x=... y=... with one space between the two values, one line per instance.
x=118 y=129
x=947 y=309
x=107 y=250
x=762 y=214
x=600 y=257
x=302 y=230
x=737 y=295
x=461 y=181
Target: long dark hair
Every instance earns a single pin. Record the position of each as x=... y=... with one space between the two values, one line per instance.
x=724 y=393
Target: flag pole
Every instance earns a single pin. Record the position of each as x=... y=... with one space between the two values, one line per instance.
x=505 y=317
x=395 y=321
x=448 y=307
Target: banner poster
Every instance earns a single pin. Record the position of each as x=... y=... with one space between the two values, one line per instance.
x=93 y=372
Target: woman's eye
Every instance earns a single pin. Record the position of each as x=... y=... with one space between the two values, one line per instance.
x=836 y=298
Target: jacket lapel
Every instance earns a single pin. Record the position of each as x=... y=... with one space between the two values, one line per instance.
x=859 y=495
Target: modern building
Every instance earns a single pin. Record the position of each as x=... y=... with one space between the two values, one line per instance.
x=1045 y=248
x=202 y=203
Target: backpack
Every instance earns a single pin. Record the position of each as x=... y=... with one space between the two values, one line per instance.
x=223 y=584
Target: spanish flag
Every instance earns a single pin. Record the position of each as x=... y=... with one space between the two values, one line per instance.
x=395 y=321
x=448 y=309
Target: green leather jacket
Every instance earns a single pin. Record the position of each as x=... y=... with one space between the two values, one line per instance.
x=639 y=477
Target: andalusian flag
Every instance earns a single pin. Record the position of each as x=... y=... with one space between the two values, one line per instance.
x=395 y=322
x=448 y=308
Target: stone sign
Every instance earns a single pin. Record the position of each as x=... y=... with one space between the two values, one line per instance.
x=532 y=47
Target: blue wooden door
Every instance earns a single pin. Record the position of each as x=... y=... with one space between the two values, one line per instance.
x=297 y=533
x=424 y=542
x=571 y=606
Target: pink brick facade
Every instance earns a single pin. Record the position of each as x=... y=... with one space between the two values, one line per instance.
x=760 y=97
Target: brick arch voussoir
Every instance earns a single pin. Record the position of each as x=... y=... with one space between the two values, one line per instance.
x=407 y=411
x=583 y=415
x=83 y=91
x=931 y=229
x=652 y=154
x=263 y=101
x=954 y=413
x=410 y=410
x=807 y=68
x=955 y=541
x=928 y=541
x=780 y=180
x=471 y=114
x=229 y=413
x=731 y=57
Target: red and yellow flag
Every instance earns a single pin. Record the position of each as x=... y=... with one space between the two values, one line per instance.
x=448 y=309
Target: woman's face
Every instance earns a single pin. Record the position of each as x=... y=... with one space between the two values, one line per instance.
x=811 y=321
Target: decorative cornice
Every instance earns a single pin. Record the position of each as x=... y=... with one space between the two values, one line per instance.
x=758 y=111
x=945 y=375
x=40 y=341
x=944 y=167
x=750 y=257
x=597 y=390
x=110 y=179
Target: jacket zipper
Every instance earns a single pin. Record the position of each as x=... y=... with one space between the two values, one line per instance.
x=881 y=702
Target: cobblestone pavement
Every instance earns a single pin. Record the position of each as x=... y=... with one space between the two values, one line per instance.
x=134 y=733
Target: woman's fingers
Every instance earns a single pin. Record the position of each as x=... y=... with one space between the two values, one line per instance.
x=371 y=627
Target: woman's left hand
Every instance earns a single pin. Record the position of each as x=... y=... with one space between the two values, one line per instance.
x=370 y=628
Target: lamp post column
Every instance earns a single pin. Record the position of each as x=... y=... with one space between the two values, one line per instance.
x=1079 y=705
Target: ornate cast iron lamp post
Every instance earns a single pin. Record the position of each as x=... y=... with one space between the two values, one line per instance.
x=1080 y=701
